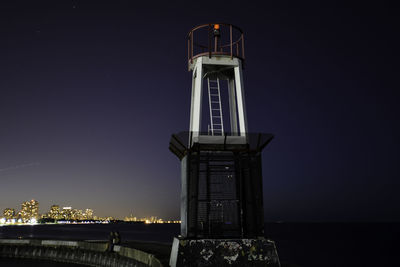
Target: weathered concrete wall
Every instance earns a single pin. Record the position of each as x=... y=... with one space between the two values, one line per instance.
x=138 y=255
x=224 y=252
x=87 y=253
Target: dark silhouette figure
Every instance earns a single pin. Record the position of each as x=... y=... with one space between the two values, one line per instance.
x=111 y=240
x=117 y=238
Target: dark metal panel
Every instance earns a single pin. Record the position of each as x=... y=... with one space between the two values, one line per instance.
x=221 y=189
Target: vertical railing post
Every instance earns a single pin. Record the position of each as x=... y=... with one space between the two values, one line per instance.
x=209 y=40
x=243 y=46
x=188 y=47
x=191 y=46
x=230 y=37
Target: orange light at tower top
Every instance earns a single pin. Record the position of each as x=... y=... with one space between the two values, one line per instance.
x=216 y=26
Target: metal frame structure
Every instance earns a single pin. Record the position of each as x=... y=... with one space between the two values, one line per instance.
x=217 y=61
x=211 y=47
x=226 y=176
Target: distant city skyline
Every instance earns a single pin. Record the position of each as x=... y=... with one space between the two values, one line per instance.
x=30 y=213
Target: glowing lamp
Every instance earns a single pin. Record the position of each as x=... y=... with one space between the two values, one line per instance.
x=216 y=30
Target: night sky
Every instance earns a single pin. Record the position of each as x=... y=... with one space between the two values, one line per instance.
x=90 y=93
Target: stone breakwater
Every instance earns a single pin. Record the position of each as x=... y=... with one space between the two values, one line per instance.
x=79 y=252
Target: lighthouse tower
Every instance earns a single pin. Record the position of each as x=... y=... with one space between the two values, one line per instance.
x=222 y=211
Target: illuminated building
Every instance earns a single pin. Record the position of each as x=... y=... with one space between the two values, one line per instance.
x=9 y=213
x=148 y=220
x=153 y=219
x=74 y=214
x=66 y=213
x=55 y=212
x=29 y=210
x=88 y=215
x=131 y=219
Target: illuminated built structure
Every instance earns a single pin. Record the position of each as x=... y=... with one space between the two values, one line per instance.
x=221 y=196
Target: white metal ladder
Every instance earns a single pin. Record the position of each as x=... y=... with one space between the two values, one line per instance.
x=214 y=100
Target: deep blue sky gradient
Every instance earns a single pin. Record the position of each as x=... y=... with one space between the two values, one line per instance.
x=90 y=93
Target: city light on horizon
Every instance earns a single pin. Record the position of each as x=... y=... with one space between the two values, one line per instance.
x=29 y=214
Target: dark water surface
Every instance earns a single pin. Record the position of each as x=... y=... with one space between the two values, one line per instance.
x=337 y=244
x=145 y=232
x=300 y=244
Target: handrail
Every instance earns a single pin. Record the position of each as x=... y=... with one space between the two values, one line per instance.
x=223 y=24
x=212 y=45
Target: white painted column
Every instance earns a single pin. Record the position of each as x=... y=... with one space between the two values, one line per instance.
x=191 y=102
x=240 y=100
x=197 y=89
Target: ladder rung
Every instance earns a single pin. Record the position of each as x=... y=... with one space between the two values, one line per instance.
x=214 y=102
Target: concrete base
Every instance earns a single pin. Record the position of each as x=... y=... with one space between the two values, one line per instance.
x=224 y=252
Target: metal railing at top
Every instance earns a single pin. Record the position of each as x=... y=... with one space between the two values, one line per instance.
x=215 y=39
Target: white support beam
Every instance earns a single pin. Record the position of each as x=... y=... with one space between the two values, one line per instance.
x=240 y=100
x=192 y=97
x=197 y=89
